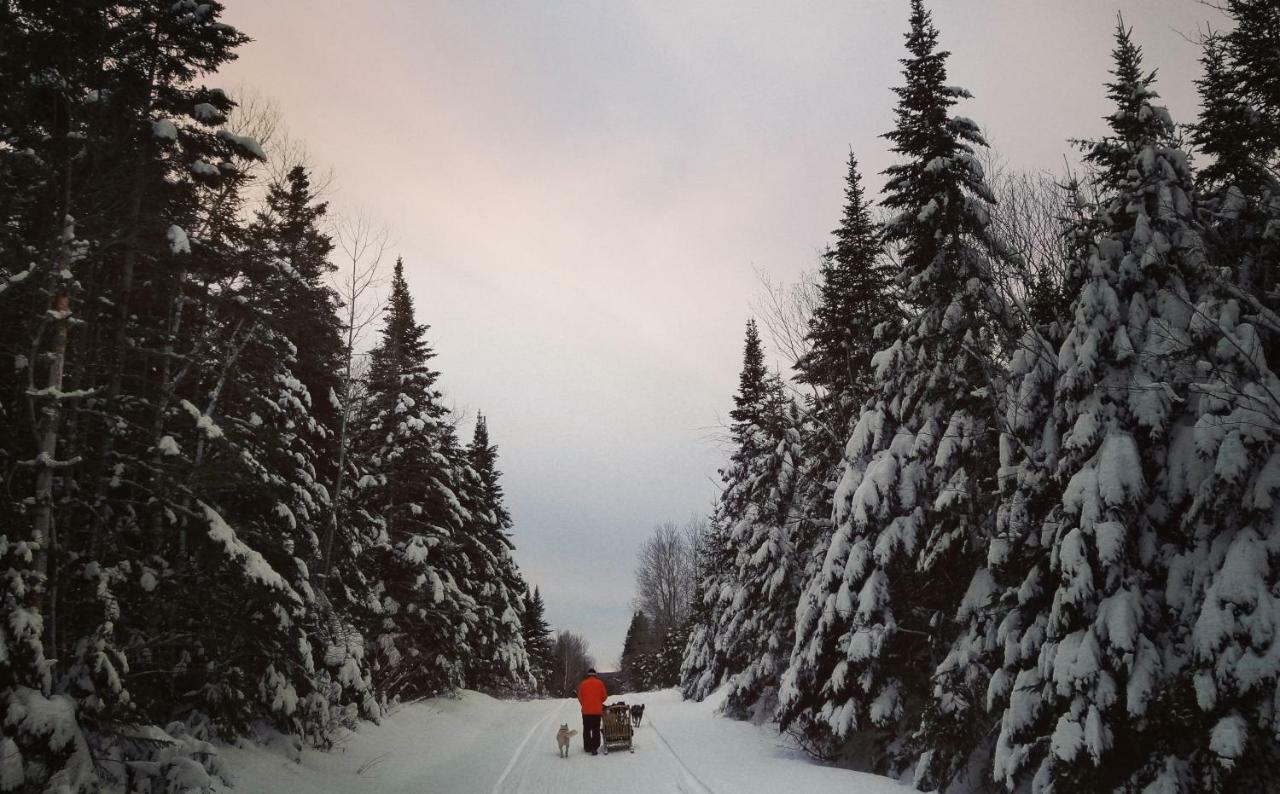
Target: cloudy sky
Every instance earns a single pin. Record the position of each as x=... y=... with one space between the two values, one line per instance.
x=583 y=193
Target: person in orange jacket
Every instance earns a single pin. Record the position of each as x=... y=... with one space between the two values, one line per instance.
x=591 y=696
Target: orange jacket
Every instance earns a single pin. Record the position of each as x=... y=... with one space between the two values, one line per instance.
x=591 y=695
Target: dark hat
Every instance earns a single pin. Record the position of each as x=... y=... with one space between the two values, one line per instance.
x=591 y=671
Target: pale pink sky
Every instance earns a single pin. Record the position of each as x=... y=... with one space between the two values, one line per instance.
x=581 y=191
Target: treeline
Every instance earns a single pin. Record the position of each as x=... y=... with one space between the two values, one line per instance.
x=1022 y=535
x=217 y=514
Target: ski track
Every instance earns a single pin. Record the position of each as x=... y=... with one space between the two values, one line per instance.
x=690 y=783
x=521 y=750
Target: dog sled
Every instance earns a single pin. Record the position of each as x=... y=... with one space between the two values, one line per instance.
x=615 y=728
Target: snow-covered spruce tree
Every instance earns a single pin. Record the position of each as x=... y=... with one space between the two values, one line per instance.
x=423 y=642
x=758 y=626
x=41 y=252
x=913 y=507
x=855 y=314
x=855 y=300
x=699 y=668
x=298 y=313
x=1224 y=585
x=500 y=661
x=1239 y=131
x=1092 y=705
x=759 y=395
x=537 y=636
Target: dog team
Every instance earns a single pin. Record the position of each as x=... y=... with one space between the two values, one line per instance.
x=591 y=697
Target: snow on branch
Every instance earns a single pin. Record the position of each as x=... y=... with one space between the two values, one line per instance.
x=255 y=566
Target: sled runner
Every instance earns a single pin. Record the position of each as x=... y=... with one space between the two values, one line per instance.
x=615 y=728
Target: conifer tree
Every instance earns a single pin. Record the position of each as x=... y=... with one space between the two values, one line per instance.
x=538 y=639
x=638 y=644
x=855 y=313
x=1088 y=672
x=1239 y=131
x=501 y=661
x=758 y=399
x=758 y=627
x=423 y=639
x=1222 y=581
x=911 y=510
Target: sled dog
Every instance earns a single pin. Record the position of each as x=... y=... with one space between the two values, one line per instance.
x=637 y=714
x=562 y=739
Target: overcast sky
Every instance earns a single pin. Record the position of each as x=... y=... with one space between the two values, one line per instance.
x=583 y=192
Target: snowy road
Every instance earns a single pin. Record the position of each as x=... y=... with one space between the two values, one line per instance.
x=477 y=745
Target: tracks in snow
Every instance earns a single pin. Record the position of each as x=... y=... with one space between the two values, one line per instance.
x=535 y=767
x=523 y=746
x=690 y=782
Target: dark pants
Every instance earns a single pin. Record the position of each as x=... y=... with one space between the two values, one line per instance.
x=590 y=732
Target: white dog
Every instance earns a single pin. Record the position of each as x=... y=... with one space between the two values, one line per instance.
x=562 y=739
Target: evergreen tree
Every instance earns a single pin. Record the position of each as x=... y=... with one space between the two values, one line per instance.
x=758 y=627
x=1223 y=583
x=638 y=645
x=757 y=405
x=855 y=299
x=538 y=640
x=701 y=666
x=1090 y=659
x=1239 y=130
x=911 y=510
x=856 y=311
x=423 y=640
x=501 y=661
x=666 y=668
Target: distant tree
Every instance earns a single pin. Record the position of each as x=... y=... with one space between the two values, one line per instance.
x=640 y=645
x=538 y=642
x=665 y=577
x=570 y=661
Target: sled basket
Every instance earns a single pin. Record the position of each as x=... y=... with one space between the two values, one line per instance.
x=615 y=727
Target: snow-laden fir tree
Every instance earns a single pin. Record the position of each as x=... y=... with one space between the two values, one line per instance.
x=759 y=397
x=537 y=636
x=1238 y=140
x=856 y=311
x=425 y=635
x=854 y=300
x=912 y=508
x=758 y=626
x=183 y=541
x=1089 y=675
x=1224 y=585
x=500 y=661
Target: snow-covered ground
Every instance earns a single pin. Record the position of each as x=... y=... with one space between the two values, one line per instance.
x=474 y=743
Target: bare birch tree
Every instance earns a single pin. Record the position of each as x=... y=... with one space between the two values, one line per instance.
x=362 y=245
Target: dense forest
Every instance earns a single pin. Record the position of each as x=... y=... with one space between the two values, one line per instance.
x=220 y=512
x=1007 y=520
x=1010 y=522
